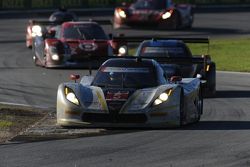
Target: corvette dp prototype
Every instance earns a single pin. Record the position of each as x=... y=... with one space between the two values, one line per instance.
x=72 y=44
x=129 y=92
x=161 y=13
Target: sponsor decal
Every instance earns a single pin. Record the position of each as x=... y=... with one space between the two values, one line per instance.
x=125 y=70
x=88 y=46
x=117 y=96
x=176 y=50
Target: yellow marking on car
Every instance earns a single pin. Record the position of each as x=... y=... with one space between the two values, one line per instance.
x=208 y=68
x=66 y=90
x=170 y=92
x=102 y=101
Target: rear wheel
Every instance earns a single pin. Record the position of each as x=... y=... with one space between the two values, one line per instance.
x=199 y=105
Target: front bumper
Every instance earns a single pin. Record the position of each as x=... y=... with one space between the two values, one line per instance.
x=72 y=115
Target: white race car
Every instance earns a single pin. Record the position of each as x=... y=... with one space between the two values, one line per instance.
x=129 y=92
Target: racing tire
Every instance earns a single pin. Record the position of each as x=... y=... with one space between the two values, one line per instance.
x=182 y=113
x=199 y=104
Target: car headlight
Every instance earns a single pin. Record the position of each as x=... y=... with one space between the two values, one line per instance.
x=122 y=14
x=70 y=96
x=122 y=51
x=36 y=31
x=166 y=15
x=163 y=97
x=55 y=57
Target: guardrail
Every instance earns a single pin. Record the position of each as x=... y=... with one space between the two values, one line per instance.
x=48 y=4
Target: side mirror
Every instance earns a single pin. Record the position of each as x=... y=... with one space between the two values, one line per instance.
x=176 y=79
x=74 y=77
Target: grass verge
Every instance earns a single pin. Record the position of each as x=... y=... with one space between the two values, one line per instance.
x=14 y=120
x=228 y=54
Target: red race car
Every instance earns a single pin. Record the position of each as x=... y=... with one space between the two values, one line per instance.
x=73 y=44
x=161 y=13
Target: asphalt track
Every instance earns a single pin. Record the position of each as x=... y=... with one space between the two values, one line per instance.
x=220 y=139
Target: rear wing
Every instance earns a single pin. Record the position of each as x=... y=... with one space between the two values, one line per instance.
x=139 y=39
x=202 y=60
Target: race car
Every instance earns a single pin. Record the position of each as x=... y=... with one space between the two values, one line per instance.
x=35 y=28
x=163 y=14
x=72 y=44
x=177 y=48
x=130 y=92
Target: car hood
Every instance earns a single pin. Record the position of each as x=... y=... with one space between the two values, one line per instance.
x=96 y=98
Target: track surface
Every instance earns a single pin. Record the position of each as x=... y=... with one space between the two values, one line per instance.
x=220 y=139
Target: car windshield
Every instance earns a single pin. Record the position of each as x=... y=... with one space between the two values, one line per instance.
x=85 y=32
x=170 y=51
x=149 y=4
x=125 y=77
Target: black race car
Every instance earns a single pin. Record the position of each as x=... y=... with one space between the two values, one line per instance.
x=176 y=48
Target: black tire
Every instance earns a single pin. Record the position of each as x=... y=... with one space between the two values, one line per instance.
x=199 y=104
x=182 y=113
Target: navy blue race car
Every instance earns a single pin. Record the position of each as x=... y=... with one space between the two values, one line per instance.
x=176 y=49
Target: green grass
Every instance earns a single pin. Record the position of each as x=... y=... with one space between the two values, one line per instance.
x=5 y=124
x=228 y=54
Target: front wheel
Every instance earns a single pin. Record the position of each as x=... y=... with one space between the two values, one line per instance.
x=182 y=113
